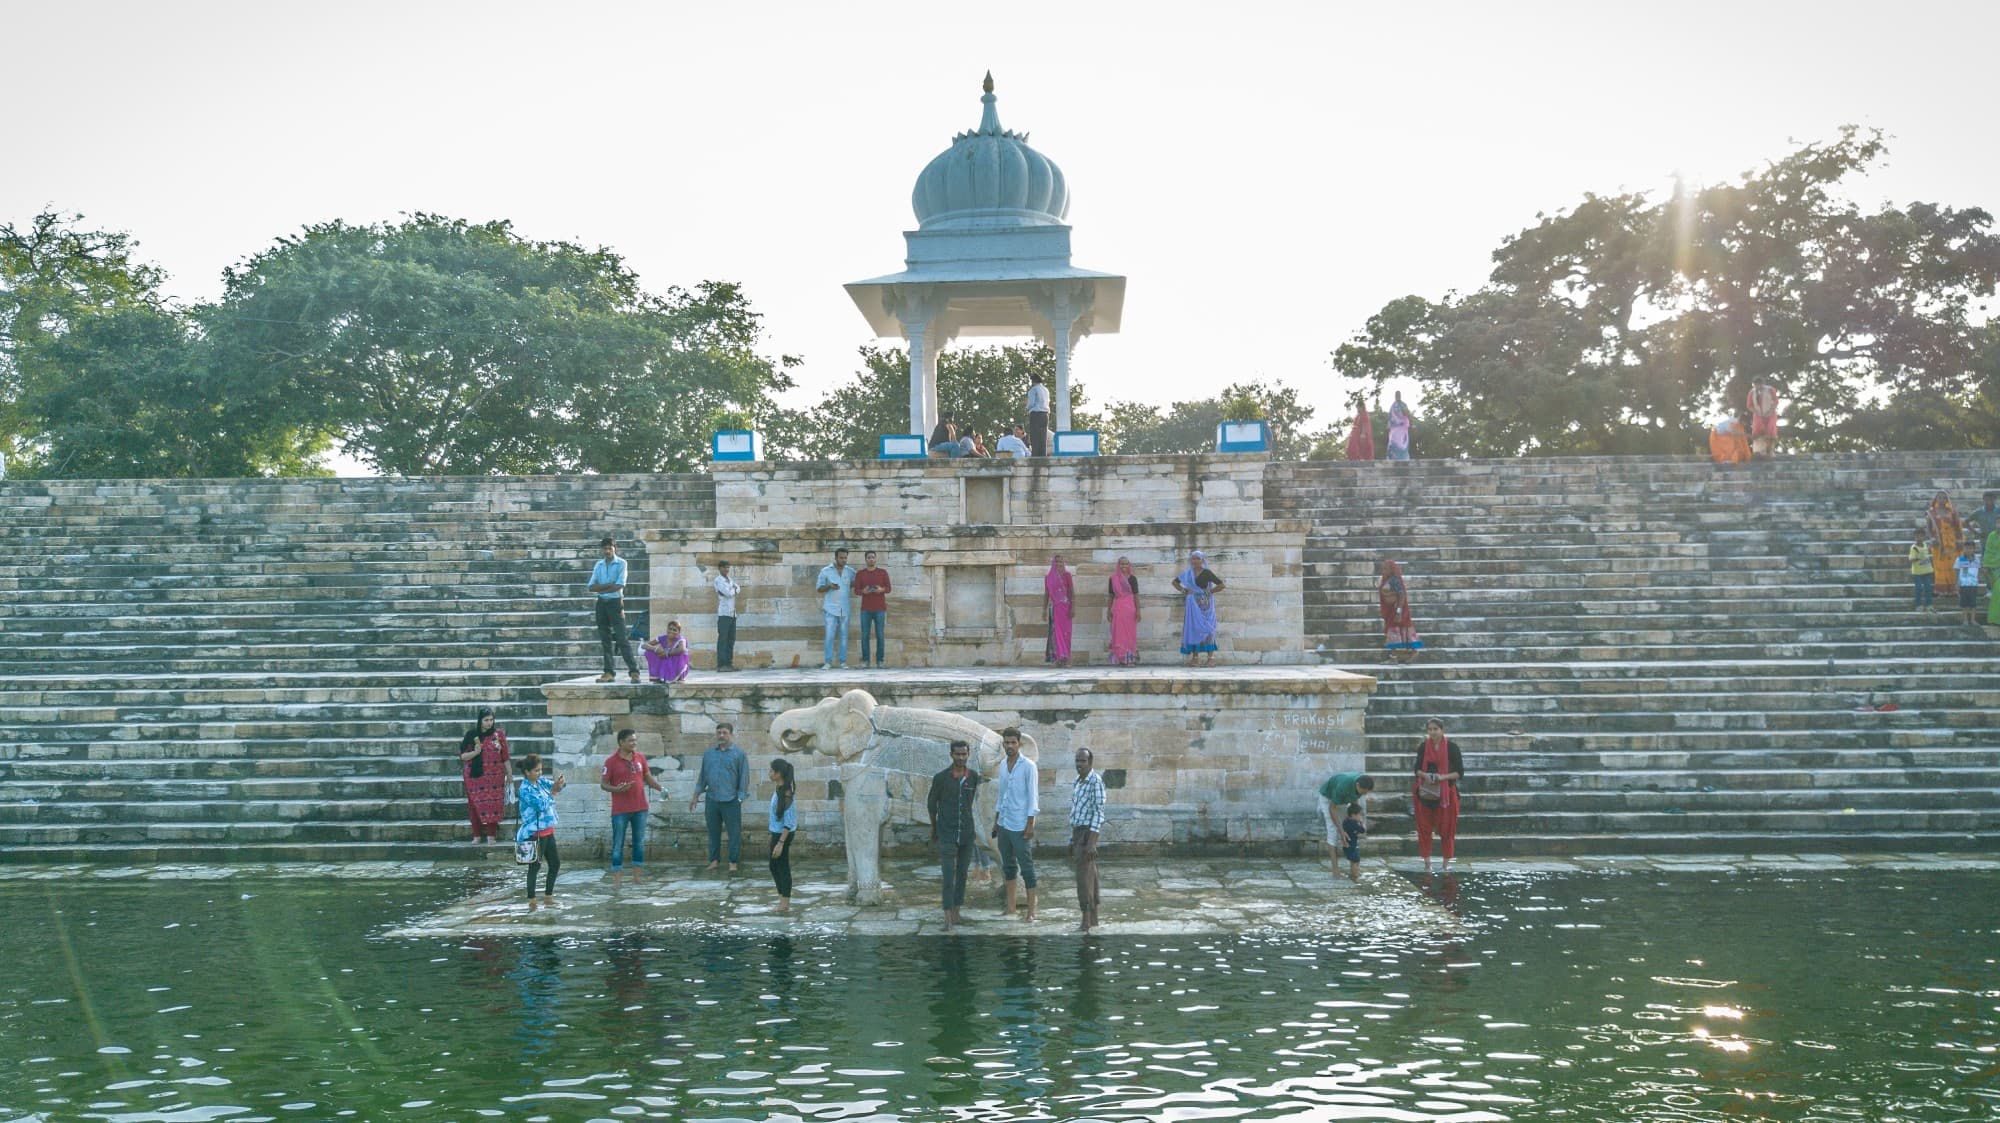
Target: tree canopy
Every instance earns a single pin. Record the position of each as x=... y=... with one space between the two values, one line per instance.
x=1627 y=323
x=1137 y=427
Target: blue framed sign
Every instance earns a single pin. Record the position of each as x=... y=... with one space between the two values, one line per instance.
x=1075 y=442
x=1243 y=436
x=903 y=446
x=737 y=444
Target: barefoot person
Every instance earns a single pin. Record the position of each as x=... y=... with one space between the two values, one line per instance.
x=1434 y=792
x=1400 y=641
x=1200 y=584
x=607 y=584
x=537 y=801
x=954 y=828
x=1086 y=823
x=1341 y=789
x=725 y=780
x=1020 y=801
x=784 y=823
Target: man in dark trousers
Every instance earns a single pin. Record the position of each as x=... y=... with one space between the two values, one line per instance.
x=1038 y=416
x=953 y=792
x=607 y=581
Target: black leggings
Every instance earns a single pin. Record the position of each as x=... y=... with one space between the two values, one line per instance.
x=781 y=866
x=545 y=847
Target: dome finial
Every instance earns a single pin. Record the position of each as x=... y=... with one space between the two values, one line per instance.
x=989 y=118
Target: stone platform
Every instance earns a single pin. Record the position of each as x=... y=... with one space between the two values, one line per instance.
x=1194 y=758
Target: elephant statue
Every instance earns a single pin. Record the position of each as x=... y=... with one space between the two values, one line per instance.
x=877 y=748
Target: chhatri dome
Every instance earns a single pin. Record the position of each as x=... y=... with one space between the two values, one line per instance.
x=989 y=257
x=990 y=177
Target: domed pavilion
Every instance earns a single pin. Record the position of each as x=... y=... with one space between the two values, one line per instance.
x=989 y=257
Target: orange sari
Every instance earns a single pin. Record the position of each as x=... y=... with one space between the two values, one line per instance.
x=1947 y=539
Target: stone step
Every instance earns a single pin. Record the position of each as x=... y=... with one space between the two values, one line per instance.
x=226 y=835
x=405 y=803
x=1679 y=785
x=1899 y=816
x=197 y=760
x=1477 y=844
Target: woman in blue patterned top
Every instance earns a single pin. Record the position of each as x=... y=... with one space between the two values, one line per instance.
x=536 y=800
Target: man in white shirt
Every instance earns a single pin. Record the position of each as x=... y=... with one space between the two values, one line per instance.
x=1038 y=416
x=1013 y=444
x=835 y=586
x=1020 y=801
x=725 y=618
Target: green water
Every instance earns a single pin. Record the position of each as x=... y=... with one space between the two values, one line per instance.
x=1718 y=996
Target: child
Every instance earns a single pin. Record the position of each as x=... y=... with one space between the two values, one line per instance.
x=1922 y=575
x=1967 y=566
x=1351 y=830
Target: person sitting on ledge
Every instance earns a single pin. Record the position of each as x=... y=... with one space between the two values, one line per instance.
x=667 y=657
x=944 y=439
x=1014 y=443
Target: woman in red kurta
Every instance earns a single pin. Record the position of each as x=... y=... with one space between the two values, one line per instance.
x=1434 y=792
x=1361 y=438
x=482 y=760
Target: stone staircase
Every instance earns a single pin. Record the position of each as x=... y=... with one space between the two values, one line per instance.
x=273 y=670
x=1659 y=655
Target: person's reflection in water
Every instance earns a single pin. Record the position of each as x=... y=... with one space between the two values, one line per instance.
x=1024 y=1024
x=537 y=976
x=954 y=1011
x=1449 y=951
x=624 y=980
x=782 y=976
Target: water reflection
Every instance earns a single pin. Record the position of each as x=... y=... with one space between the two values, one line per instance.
x=1526 y=997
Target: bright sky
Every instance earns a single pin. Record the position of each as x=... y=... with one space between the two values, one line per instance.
x=1267 y=176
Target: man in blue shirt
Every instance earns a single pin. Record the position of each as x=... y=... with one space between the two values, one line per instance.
x=607 y=583
x=725 y=780
x=835 y=586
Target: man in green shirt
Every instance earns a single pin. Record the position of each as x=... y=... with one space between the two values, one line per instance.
x=1341 y=789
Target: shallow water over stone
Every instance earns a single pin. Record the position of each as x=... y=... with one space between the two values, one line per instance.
x=1816 y=991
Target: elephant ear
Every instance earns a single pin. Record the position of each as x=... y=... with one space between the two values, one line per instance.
x=851 y=725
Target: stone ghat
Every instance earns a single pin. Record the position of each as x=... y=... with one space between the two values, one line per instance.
x=1651 y=655
x=1660 y=655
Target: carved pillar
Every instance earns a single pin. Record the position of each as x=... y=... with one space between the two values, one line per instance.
x=1066 y=307
x=925 y=334
x=1060 y=329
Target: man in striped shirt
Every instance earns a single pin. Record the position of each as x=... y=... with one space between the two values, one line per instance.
x=1086 y=822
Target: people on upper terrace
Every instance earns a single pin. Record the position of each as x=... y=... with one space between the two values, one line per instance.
x=1729 y=442
x=1399 y=429
x=1361 y=438
x=1198 y=584
x=1762 y=403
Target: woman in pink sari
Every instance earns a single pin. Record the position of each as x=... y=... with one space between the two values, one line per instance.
x=1122 y=613
x=1058 y=603
x=1361 y=439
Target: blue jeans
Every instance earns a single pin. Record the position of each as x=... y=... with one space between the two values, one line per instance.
x=635 y=822
x=1017 y=854
x=724 y=814
x=877 y=622
x=1926 y=584
x=835 y=626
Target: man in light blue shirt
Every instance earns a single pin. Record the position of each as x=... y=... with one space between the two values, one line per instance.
x=607 y=583
x=1020 y=802
x=836 y=589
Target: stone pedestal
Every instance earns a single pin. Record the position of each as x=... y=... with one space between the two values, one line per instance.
x=1195 y=760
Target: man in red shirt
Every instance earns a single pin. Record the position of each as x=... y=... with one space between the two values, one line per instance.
x=873 y=585
x=626 y=777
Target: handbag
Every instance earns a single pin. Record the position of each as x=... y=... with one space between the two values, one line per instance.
x=1430 y=789
x=527 y=851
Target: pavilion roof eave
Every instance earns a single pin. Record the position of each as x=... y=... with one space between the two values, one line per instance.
x=976 y=282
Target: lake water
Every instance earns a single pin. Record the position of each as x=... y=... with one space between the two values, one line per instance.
x=1825 y=994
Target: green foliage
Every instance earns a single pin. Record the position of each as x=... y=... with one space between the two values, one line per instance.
x=1134 y=427
x=1625 y=324
x=984 y=388
x=438 y=345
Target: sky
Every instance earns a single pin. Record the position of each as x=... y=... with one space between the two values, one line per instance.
x=1266 y=174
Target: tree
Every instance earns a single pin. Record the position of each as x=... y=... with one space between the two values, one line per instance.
x=54 y=272
x=439 y=345
x=1625 y=324
x=1135 y=427
x=985 y=389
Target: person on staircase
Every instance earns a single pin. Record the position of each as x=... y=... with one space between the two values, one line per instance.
x=1399 y=629
x=1763 y=405
x=1434 y=793
x=1728 y=443
x=1399 y=429
x=1947 y=534
x=1923 y=571
x=607 y=583
x=1989 y=569
x=482 y=762
x=1361 y=438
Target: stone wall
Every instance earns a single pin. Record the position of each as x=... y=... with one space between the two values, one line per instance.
x=973 y=596
x=1195 y=762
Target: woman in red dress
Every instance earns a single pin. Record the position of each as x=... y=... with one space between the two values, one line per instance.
x=482 y=760
x=1361 y=438
x=1434 y=792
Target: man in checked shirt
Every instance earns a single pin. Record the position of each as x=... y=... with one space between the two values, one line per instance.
x=1086 y=822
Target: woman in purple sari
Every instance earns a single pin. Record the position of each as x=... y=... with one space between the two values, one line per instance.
x=667 y=658
x=1200 y=584
x=1059 y=603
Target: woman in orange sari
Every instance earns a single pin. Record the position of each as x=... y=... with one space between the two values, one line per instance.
x=1947 y=539
x=1727 y=443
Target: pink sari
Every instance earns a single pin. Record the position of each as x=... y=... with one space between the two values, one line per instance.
x=1124 y=616
x=1061 y=591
